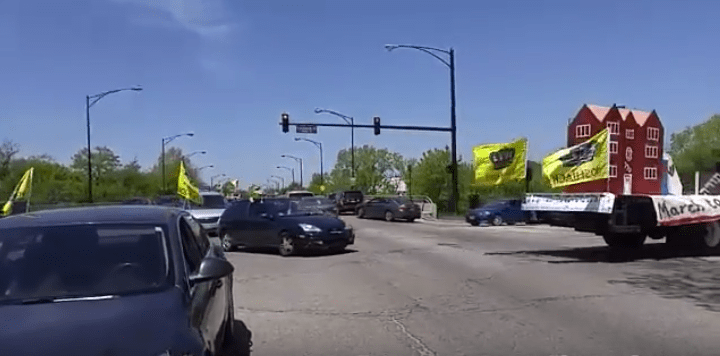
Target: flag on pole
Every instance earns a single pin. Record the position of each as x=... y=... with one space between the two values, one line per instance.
x=22 y=191
x=584 y=162
x=185 y=189
x=498 y=163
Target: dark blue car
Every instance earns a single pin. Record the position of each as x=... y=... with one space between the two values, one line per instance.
x=123 y=280
x=287 y=225
x=498 y=212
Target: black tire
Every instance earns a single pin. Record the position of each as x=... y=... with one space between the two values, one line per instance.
x=226 y=243
x=338 y=249
x=361 y=213
x=411 y=220
x=497 y=220
x=389 y=216
x=631 y=241
x=474 y=223
x=287 y=246
x=700 y=237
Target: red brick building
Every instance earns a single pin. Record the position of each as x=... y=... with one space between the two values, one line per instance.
x=635 y=149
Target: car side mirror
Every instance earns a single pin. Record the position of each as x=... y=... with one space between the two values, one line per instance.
x=211 y=268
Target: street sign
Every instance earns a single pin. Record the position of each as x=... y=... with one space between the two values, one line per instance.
x=311 y=129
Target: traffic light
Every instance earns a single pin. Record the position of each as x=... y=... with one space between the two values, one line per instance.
x=285 y=122
x=376 y=122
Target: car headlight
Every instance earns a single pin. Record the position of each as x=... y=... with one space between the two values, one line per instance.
x=486 y=213
x=309 y=228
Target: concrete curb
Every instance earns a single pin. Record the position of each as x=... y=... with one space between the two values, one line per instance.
x=443 y=222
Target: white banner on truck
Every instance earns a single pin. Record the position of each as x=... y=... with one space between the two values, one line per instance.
x=595 y=202
x=672 y=210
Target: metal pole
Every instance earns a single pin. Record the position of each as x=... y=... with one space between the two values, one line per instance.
x=163 y=166
x=87 y=115
x=352 y=144
x=321 y=165
x=455 y=194
x=301 y=174
x=293 y=174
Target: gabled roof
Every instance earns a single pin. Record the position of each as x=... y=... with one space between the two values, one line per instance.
x=598 y=111
x=639 y=115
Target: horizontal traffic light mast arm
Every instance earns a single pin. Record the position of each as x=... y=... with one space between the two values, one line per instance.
x=390 y=127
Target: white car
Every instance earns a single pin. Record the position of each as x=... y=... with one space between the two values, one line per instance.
x=209 y=212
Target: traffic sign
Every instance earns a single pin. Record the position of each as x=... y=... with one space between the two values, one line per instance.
x=311 y=129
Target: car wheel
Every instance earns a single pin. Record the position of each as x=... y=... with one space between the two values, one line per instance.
x=361 y=213
x=411 y=220
x=475 y=223
x=497 y=220
x=227 y=244
x=337 y=249
x=389 y=216
x=287 y=247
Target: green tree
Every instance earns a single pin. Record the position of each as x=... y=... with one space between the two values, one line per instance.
x=373 y=166
x=104 y=162
x=696 y=148
x=8 y=150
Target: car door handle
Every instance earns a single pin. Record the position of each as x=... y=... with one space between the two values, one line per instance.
x=217 y=284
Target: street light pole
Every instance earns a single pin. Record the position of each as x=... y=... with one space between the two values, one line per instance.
x=453 y=129
x=292 y=171
x=213 y=177
x=299 y=160
x=281 y=178
x=88 y=104
x=319 y=145
x=350 y=120
x=164 y=141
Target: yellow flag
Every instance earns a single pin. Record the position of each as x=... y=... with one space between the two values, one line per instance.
x=22 y=191
x=185 y=188
x=498 y=163
x=25 y=185
x=584 y=162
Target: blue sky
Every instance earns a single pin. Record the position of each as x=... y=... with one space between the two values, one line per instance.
x=227 y=69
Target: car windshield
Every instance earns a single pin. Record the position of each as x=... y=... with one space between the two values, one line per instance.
x=401 y=201
x=49 y=263
x=287 y=207
x=495 y=204
x=211 y=202
x=353 y=195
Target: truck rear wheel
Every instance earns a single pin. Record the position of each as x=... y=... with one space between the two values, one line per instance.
x=624 y=240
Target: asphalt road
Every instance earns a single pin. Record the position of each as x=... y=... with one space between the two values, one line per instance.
x=450 y=289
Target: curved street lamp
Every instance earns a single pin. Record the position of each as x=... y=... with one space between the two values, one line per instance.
x=88 y=104
x=194 y=153
x=292 y=171
x=213 y=178
x=299 y=160
x=281 y=178
x=350 y=120
x=450 y=63
x=203 y=167
x=167 y=140
x=319 y=145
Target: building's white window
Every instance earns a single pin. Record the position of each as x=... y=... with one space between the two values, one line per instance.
x=651 y=151
x=628 y=154
x=653 y=134
x=650 y=173
x=582 y=131
x=630 y=134
x=613 y=128
x=613 y=171
x=613 y=147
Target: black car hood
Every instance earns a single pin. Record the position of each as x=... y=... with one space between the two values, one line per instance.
x=146 y=324
x=322 y=221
